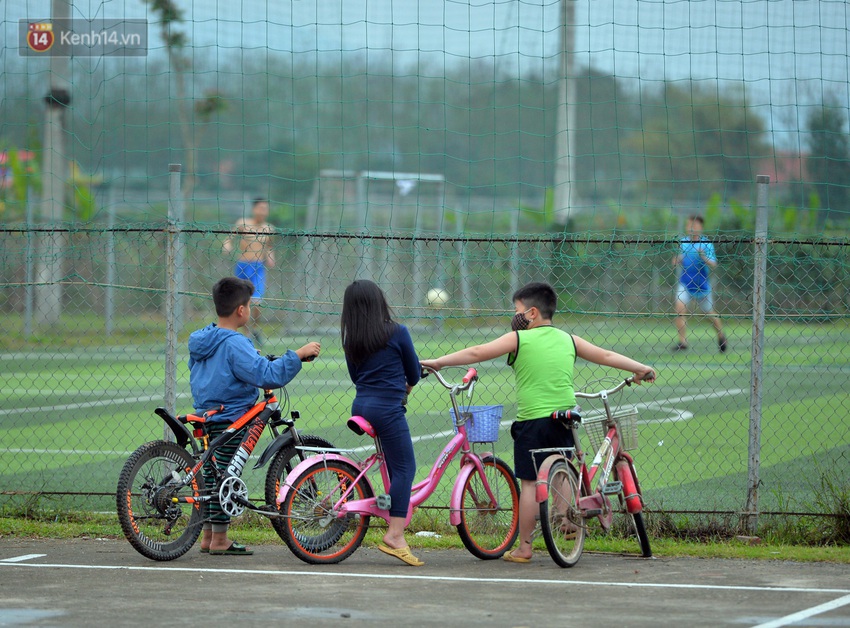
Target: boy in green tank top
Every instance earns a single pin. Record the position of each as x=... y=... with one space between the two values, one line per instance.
x=542 y=358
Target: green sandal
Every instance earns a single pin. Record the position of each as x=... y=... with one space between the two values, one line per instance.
x=235 y=549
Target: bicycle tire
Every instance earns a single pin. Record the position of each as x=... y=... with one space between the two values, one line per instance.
x=308 y=522
x=281 y=466
x=633 y=505
x=643 y=537
x=561 y=520
x=156 y=527
x=489 y=530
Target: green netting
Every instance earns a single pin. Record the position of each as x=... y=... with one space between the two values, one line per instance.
x=79 y=388
x=464 y=148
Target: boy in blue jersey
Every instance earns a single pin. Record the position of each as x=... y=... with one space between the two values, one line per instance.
x=696 y=257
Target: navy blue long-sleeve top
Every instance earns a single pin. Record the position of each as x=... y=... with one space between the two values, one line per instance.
x=386 y=373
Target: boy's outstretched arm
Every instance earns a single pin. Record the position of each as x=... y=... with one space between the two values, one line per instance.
x=253 y=368
x=590 y=352
x=479 y=353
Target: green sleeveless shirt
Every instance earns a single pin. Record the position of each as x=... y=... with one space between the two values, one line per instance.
x=543 y=367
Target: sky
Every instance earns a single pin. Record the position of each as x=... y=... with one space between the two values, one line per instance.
x=788 y=53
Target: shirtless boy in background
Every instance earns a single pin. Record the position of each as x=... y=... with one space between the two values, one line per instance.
x=255 y=255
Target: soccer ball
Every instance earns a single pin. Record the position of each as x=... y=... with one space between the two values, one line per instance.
x=437 y=297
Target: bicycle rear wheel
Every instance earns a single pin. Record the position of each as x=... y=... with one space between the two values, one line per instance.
x=310 y=528
x=487 y=528
x=154 y=525
x=560 y=516
x=281 y=466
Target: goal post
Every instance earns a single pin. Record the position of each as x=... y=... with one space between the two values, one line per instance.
x=370 y=204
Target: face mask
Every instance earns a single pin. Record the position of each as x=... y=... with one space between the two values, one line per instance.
x=519 y=321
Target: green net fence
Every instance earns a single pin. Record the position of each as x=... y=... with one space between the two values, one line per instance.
x=452 y=153
x=78 y=393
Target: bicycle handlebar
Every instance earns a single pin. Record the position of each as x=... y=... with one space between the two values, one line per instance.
x=468 y=380
x=598 y=395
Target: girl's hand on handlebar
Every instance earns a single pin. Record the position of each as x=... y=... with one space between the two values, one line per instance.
x=431 y=364
x=647 y=375
x=309 y=352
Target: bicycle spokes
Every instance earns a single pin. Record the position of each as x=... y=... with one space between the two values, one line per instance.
x=561 y=518
x=489 y=506
x=314 y=530
x=160 y=514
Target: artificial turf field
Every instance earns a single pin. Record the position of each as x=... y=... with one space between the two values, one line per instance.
x=70 y=416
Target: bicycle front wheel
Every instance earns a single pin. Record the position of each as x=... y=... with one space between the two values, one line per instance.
x=560 y=516
x=151 y=479
x=489 y=526
x=311 y=528
x=643 y=537
x=281 y=466
x=631 y=501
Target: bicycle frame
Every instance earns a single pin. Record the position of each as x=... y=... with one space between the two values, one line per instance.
x=421 y=491
x=595 y=502
x=255 y=419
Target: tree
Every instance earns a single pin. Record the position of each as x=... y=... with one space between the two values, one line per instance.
x=829 y=157
x=604 y=117
x=698 y=140
x=204 y=108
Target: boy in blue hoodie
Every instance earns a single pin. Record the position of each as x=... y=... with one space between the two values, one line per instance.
x=226 y=370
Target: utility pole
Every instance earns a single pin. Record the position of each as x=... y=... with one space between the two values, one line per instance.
x=564 y=196
x=48 y=294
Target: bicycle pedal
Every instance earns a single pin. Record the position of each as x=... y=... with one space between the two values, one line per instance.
x=383 y=502
x=592 y=512
x=612 y=488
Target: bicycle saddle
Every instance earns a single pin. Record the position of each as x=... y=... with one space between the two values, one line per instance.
x=360 y=426
x=196 y=418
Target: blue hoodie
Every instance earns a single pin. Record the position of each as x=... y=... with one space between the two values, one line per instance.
x=225 y=369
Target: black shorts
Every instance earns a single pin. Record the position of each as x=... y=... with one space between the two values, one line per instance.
x=536 y=434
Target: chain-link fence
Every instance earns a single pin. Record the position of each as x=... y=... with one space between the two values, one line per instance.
x=84 y=357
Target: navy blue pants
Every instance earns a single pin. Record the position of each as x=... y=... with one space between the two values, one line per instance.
x=388 y=418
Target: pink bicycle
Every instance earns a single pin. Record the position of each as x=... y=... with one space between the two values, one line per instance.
x=327 y=500
x=571 y=494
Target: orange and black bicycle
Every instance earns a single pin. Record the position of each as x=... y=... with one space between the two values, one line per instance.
x=162 y=497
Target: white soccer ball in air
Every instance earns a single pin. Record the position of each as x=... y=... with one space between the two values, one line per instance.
x=437 y=297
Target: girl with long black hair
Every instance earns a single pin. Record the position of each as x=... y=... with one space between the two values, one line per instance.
x=383 y=365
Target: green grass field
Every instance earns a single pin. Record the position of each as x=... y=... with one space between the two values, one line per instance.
x=70 y=417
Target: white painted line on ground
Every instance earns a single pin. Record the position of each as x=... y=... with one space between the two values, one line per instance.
x=418 y=439
x=677 y=414
x=680 y=415
x=805 y=614
x=302 y=385
x=65 y=452
x=712 y=395
x=18 y=559
x=111 y=392
x=367 y=576
x=118 y=402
